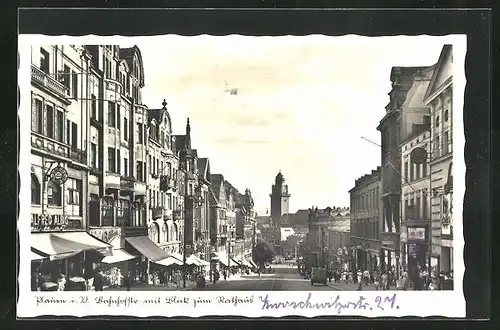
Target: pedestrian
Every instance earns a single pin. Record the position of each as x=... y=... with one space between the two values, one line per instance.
x=225 y=274
x=330 y=275
x=376 y=281
x=128 y=280
x=384 y=281
x=98 y=281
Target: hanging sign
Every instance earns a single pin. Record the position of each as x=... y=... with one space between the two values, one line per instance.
x=418 y=155
x=59 y=175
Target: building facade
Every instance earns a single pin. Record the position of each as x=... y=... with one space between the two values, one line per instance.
x=415 y=207
x=365 y=221
x=404 y=109
x=439 y=97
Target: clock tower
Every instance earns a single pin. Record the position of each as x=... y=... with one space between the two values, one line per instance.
x=280 y=199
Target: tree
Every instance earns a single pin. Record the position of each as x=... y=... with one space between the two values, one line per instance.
x=263 y=252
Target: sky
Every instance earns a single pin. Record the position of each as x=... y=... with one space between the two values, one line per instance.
x=302 y=106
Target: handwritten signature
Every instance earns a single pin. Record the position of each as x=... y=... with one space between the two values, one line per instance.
x=379 y=303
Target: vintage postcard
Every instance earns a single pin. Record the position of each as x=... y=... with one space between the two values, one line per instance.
x=237 y=175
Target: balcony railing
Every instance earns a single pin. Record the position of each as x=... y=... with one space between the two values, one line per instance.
x=166 y=183
x=45 y=80
x=177 y=215
x=57 y=148
x=157 y=212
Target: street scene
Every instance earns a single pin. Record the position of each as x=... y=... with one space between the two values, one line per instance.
x=271 y=166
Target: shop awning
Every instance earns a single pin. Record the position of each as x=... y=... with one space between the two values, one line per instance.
x=35 y=256
x=252 y=263
x=66 y=244
x=234 y=262
x=193 y=261
x=119 y=255
x=200 y=261
x=169 y=261
x=223 y=261
x=147 y=248
x=177 y=256
x=246 y=263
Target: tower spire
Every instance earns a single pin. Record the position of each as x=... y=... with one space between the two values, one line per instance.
x=188 y=135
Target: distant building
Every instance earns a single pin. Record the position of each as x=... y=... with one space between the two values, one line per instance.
x=365 y=221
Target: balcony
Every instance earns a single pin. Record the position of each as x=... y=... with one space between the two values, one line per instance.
x=127 y=183
x=57 y=148
x=113 y=86
x=157 y=212
x=54 y=222
x=177 y=215
x=166 y=183
x=47 y=82
x=113 y=180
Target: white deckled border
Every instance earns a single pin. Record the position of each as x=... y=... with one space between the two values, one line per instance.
x=411 y=303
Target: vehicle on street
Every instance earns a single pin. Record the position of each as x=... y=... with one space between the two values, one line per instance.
x=318 y=275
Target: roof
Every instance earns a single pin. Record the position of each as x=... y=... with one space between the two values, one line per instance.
x=128 y=55
x=445 y=53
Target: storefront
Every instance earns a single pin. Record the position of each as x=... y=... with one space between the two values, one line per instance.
x=72 y=254
x=417 y=248
x=389 y=251
x=148 y=251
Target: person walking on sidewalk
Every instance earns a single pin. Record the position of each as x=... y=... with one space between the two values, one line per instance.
x=128 y=280
x=225 y=275
x=98 y=281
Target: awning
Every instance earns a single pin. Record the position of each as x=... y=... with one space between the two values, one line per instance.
x=177 y=256
x=246 y=263
x=223 y=261
x=200 y=261
x=169 y=261
x=147 y=248
x=119 y=255
x=36 y=256
x=193 y=261
x=66 y=244
x=252 y=263
x=234 y=262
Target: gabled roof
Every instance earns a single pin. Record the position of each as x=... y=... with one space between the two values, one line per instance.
x=180 y=142
x=158 y=116
x=128 y=54
x=204 y=168
x=445 y=52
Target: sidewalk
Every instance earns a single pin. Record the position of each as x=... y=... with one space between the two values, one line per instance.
x=171 y=287
x=343 y=286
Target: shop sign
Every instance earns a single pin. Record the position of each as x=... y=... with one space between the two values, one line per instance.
x=447 y=218
x=418 y=155
x=59 y=175
x=416 y=234
x=48 y=222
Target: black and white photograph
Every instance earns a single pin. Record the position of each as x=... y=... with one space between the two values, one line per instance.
x=175 y=165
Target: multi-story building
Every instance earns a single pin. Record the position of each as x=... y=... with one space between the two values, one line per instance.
x=404 y=109
x=163 y=163
x=365 y=221
x=190 y=195
x=64 y=89
x=202 y=225
x=439 y=97
x=119 y=145
x=415 y=186
x=337 y=241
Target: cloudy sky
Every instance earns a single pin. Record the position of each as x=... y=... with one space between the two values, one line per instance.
x=302 y=107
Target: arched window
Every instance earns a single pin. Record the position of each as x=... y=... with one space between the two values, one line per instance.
x=35 y=190
x=165 y=232
x=155 y=232
x=54 y=194
x=437 y=121
x=175 y=233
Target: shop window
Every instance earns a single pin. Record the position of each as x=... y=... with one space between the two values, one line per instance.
x=35 y=190
x=54 y=197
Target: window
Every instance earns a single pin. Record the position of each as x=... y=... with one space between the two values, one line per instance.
x=139 y=133
x=119 y=162
x=424 y=208
x=417 y=209
x=446 y=144
x=111 y=114
x=161 y=168
x=424 y=168
x=93 y=155
x=169 y=170
x=118 y=116
x=53 y=194
x=446 y=115
x=64 y=77
x=437 y=121
x=150 y=164
x=74 y=189
x=37 y=116
x=406 y=170
x=125 y=166
x=68 y=131
x=139 y=171
x=157 y=166
x=417 y=171
x=111 y=160
x=437 y=146
x=35 y=190
x=125 y=129
x=94 y=107
x=74 y=85
x=74 y=135
x=412 y=174
x=44 y=61
x=154 y=166
x=107 y=211
x=58 y=127
x=50 y=121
